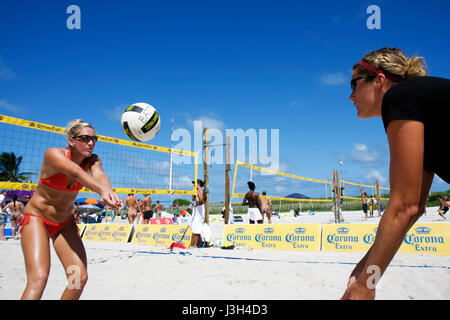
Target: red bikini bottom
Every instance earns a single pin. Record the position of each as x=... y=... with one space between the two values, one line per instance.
x=52 y=227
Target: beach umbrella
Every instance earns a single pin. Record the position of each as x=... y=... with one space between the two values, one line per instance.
x=90 y=208
x=83 y=201
x=181 y=212
x=21 y=194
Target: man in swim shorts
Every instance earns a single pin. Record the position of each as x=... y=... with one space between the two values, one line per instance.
x=251 y=199
x=364 y=201
x=158 y=209
x=146 y=206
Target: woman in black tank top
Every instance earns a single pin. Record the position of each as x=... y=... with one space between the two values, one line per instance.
x=415 y=110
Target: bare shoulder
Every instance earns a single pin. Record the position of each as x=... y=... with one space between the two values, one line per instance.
x=54 y=152
x=53 y=157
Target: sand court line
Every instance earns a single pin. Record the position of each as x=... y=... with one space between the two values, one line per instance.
x=262 y=259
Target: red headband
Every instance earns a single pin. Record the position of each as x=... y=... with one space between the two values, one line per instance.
x=376 y=70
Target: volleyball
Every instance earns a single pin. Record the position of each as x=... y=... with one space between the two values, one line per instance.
x=140 y=121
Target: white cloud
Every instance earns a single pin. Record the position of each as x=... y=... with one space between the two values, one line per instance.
x=279 y=189
x=10 y=107
x=5 y=72
x=333 y=79
x=209 y=119
x=363 y=154
x=115 y=114
x=373 y=175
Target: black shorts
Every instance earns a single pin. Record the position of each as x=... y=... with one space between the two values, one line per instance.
x=365 y=207
x=148 y=214
x=445 y=209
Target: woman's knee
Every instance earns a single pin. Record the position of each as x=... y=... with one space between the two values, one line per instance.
x=38 y=279
x=77 y=276
x=406 y=211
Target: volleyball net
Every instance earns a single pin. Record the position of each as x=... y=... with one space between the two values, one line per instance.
x=352 y=191
x=132 y=167
x=279 y=185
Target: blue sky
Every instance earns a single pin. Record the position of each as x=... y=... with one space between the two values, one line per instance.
x=282 y=65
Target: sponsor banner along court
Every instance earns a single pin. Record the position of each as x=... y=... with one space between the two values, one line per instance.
x=348 y=237
x=304 y=237
x=422 y=238
x=161 y=235
x=428 y=238
x=107 y=232
x=425 y=238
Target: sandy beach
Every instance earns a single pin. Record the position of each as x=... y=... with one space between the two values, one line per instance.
x=130 y=271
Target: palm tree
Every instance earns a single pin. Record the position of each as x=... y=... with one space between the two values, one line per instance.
x=9 y=168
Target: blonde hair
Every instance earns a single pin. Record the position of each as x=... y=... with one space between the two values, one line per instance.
x=395 y=62
x=74 y=126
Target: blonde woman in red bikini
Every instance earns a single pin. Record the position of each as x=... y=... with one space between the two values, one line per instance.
x=49 y=213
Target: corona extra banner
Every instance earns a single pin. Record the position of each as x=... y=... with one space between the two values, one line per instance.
x=425 y=238
x=107 y=232
x=161 y=235
x=428 y=238
x=348 y=237
x=302 y=237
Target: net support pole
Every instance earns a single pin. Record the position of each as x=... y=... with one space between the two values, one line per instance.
x=378 y=197
x=337 y=196
x=227 y=180
x=205 y=172
x=171 y=159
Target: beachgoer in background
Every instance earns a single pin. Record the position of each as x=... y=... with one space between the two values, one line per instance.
x=364 y=201
x=158 y=210
x=146 y=206
x=14 y=209
x=2 y=215
x=443 y=206
x=266 y=208
x=132 y=207
x=251 y=199
x=198 y=214
x=230 y=214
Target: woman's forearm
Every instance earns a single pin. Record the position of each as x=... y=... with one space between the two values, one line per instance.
x=392 y=229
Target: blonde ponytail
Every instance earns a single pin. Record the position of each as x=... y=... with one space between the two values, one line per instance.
x=394 y=62
x=416 y=68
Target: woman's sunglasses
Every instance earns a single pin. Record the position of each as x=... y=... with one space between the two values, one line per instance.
x=85 y=138
x=353 y=82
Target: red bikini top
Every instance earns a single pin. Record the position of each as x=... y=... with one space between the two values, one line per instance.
x=59 y=181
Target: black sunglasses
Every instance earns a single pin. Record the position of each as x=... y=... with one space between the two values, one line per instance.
x=353 y=82
x=86 y=138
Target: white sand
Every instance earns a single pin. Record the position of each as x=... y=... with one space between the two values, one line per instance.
x=129 y=271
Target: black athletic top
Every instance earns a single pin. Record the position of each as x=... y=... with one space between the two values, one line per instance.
x=425 y=99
